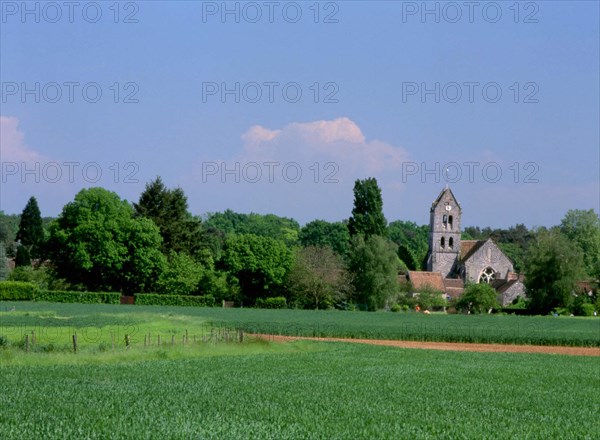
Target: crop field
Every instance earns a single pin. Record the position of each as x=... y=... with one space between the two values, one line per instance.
x=256 y=389
x=96 y=322
x=303 y=390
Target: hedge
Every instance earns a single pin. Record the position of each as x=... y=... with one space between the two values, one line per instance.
x=64 y=296
x=278 y=302
x=155 y=299
x=17 y=291
x=22 y=291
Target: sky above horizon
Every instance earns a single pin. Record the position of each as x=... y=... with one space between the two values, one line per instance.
x=278 y=107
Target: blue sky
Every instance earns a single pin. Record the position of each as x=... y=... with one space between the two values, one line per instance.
x=370 y=68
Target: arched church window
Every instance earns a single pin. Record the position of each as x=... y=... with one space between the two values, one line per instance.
x=487 y=276
x=451 y=242
x=443 y=242
x=450 y=221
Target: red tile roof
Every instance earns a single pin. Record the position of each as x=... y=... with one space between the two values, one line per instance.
x=421 y=280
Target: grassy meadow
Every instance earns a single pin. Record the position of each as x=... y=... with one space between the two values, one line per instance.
x=258 y=389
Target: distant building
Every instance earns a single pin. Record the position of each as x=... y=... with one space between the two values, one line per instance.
x=451 y=261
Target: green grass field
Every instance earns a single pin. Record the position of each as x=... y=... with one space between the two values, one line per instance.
x=97 y=321
x=260 y=390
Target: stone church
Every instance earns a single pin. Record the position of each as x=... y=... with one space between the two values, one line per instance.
x=451 y=261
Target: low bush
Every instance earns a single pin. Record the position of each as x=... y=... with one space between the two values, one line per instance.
x=277 y=302
x=155 y=299
x=66 y=296
x=17 y=291
x=396 y=308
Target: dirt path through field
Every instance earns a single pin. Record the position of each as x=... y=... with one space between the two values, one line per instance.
x=451 y=346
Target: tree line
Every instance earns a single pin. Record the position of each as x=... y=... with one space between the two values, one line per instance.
x=100 y=242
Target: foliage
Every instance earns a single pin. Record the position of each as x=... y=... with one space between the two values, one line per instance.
x=67 y=296
x=96 y=242
x=318 y=279
x=257 y=264
x=321 y=233
x=428 y=298
x=278 y=302
x=31 y=228
x=168 y=209
x=367 y=214
x=374 y=267
x=38 y=276
x=23 y=258
x=553 y=267
x=478 y=298
x=152 y=299
x=9 y=226
x=181 y=275
x=17 y=291
x=3 y=262
x=272 y=226
x=412 y=241
x=582 y=228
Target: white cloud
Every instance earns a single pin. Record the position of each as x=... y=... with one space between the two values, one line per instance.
x=338 y=140
x=12 y=143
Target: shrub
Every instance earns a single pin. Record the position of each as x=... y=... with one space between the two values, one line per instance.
x=65 y=296
x=396 y=308
x=477 y=298
x=586 y=310
x=155 y=299
x=277 y=302
x=17 y=291
x=3 y=342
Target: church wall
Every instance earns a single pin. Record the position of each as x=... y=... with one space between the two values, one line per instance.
x=489 y=255
x=513 y=292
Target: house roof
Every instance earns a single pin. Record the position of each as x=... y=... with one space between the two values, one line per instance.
x=421 y=280
x=455 y=283
x=469 y=247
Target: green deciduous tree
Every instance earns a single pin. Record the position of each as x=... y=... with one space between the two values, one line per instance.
x=367 y=214
x=321 y=233
x=97 y=243
x=583 y=229
x=374 y=267
x=257 y=264
x=318 y=279
x=181 y=275
x=478 y=298
x=31 y=228
x=268 y=225
x=552 y=268
x=3 y=262
x=412 y=241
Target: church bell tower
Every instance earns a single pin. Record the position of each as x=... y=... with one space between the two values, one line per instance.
x=444 y=233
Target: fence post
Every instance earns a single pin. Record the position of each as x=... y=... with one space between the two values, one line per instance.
x=32 y=337
x=158 y=340
x=112 y=337
x=74 y=342
x=127 y=341
x=172 y=339
x=186 y=336
x=26 y=343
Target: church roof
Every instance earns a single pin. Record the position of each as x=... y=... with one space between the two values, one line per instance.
x=421 y=280
x=444 y=191
x=469 y=247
